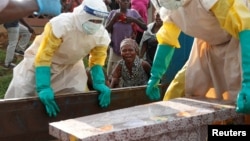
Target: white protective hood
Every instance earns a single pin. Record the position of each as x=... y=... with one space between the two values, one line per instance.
x=172 y=4
x=90 y=9
x=165 y=7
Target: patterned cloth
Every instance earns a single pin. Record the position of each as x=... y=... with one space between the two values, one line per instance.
x=138 y=76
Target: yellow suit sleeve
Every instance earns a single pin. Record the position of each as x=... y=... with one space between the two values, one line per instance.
x=47 y=48
x=98 y=56
x=233 y=15
x=168 y=34
x=177 y=86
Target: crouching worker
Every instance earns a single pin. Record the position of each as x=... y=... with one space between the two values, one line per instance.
x=218 y=65
x=53 y=64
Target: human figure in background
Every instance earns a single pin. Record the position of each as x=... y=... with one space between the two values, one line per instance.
x=114 y=4
x=19 y=34
x=149 y=45
x=141 y=6
x=120 y=25
x=71 y=4
x=218 y=65
x=149 y=42
x=108 y=2
x=130 y=70
x=11 y=10
x=53 y=64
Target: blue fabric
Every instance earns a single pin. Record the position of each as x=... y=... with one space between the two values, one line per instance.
x=179 y=58
x=162 y=59
x=44 y=90
x=243 y=99
x=98 y=80
x=49 y=7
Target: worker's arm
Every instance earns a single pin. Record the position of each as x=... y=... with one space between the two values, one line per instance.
x=16 y=9
x=234 y=17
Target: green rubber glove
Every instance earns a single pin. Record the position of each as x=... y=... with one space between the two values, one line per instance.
x=98 y=80
x=44 y=90
x=163 y=56
x=243 y=99
x=49 y=7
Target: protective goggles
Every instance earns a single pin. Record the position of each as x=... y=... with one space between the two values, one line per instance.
x=95 y=12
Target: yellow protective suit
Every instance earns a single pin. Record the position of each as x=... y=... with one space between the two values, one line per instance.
x=62 y=46
x=213 y=69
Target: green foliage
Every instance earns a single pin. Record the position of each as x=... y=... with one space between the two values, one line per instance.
x=85 y=61
x=2 y=55
x=4 y=83
x=5 y=75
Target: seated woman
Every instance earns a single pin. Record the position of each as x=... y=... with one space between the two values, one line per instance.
x=130 y=70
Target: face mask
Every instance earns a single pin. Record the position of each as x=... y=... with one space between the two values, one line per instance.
x=172 y=4
x=90 y=27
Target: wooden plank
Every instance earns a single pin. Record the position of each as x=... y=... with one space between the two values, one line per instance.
x=27 y=120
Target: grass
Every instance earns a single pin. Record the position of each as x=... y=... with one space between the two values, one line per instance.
x=5 y=74
x=4 y=81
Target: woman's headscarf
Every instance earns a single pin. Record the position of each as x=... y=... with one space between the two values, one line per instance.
x=130 y=42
